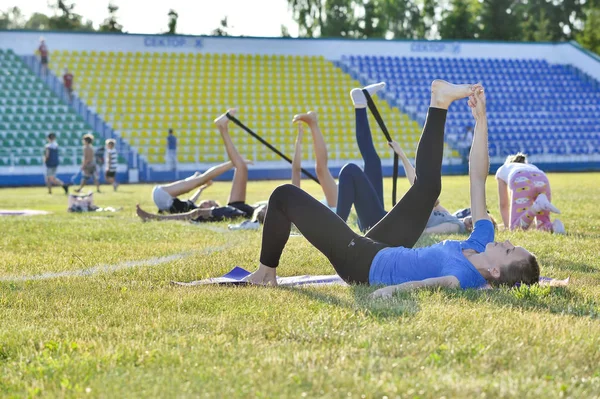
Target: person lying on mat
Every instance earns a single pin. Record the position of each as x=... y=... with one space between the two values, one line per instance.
x=165 y=196
x=363 y=188
x=385 y=254
x=441 y=221
x=328 y=183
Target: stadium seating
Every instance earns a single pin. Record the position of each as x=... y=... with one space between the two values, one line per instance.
x=142 y=95
x=28 y=112
x=534 y=106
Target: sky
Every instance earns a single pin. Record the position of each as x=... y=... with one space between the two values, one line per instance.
x=196 y=17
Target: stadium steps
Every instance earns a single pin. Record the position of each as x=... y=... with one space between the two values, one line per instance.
x=535 y=107
x=141 y=95
x=28 y=112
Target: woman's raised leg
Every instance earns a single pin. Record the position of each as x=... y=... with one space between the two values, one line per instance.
x=405 y=223
x=364 y=139
x=240 y=176
x=354 y=188
x=321 y=157
x=181 y=187
x=349 y=253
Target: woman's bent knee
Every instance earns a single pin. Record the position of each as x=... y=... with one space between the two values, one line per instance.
x=349 y=170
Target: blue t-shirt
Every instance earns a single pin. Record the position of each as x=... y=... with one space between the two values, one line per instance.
x=172 y=142
x=397 y=265
x=52 y=161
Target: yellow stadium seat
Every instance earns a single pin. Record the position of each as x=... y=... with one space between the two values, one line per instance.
x=143 y=94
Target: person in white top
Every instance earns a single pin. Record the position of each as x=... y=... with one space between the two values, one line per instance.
x=529 y=198
x=111 y=159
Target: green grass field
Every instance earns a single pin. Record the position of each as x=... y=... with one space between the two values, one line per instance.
x=126 y=332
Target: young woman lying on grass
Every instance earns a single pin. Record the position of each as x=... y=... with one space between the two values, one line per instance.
x=363 y=188
x=384 y=255
x=165 y=196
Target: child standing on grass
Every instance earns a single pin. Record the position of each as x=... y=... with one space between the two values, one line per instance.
x=51 y=161
x=110 y=160
x=88 y=164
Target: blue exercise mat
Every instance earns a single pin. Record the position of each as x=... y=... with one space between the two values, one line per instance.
x=237 y=275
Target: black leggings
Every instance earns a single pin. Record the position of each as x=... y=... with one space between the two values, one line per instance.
x=351 y=254
x=362 y=188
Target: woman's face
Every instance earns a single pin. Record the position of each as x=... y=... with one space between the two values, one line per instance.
x=261 y=213
x=468 y=221
x=208 y=204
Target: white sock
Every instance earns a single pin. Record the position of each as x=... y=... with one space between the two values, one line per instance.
x=358 y=97
x=223 y=119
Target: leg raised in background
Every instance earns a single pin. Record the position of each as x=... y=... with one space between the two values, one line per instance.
x=321 y=157
x=181 y=187
x=240 y=177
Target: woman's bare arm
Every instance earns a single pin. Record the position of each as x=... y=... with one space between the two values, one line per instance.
x=444 y=281
x=297 y=161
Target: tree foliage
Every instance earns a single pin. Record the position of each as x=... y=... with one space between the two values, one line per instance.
x=590 y=35
x=65 y=19
x=172 y=26
x=12 y=18
x=221 y=30
x=507 y=20
x=38 y=21
x=458 y=21
x=111 y=24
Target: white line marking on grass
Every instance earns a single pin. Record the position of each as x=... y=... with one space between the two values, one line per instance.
x=214 y=229
x=130 y=264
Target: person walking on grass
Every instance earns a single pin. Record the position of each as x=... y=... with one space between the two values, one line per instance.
x=51 y=160
x=88 y=164
x=385 y=254
x=111 y=161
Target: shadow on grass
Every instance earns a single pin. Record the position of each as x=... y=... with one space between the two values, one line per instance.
x=584 y=235
x=567 y=265
x=554 y=300
x=398 y=306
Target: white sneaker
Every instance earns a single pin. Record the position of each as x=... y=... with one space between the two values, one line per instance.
x=543 y=204
x=245 y=225
x=558 y=227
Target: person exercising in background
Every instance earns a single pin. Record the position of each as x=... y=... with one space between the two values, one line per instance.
x=165 y=196
x=529 y=198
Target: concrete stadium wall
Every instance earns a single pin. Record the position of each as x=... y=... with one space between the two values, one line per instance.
x=25 y=42
x=31 y=177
